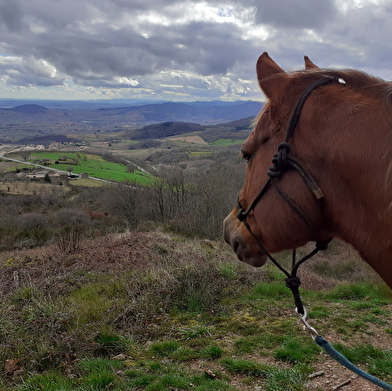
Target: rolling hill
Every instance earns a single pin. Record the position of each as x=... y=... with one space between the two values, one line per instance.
x=29 y=113
x=238 y=129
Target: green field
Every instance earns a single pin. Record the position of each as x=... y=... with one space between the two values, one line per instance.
x=94 y=165
x=9 y=166
x=201 y=154
x=226 y=141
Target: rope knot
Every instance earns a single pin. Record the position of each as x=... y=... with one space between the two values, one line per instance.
x=293 y=282
x=322 y=245
x=279 y=161
x=241 y=215
x=284 y=146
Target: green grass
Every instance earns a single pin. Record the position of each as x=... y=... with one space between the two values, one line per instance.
x=18 y=166
x=212 y=352
x=164 y=348
x=362 y=293
x=49 y=381
x=246 y=367
x=379 y=361
x=98 y=373
x=271 y=290
x=166 y=377
x=94 y=165
x=281 y=379
x=296 y=350
x=258 y=343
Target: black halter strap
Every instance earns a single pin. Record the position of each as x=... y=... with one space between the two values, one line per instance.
x=282 y=163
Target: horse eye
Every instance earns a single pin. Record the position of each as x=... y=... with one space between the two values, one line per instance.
x=265 y=139
x=247 y=156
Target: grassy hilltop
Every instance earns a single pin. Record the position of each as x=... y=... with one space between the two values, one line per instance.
x=160 y=311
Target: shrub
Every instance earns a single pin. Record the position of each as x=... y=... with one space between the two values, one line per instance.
x=72 y=225
x=33 y=225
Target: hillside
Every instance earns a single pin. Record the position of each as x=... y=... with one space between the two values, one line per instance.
x=30 y=109
x=157 y=311
x=165 y=129
x=29 y=113
x=237 y=130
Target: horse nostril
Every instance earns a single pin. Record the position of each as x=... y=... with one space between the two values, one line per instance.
x=235 y=246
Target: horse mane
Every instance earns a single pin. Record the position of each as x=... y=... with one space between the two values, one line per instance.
x=357 y=80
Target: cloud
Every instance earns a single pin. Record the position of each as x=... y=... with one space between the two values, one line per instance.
x=11 y=15
x=29 y=71
x=296 y=14
x=193 y=49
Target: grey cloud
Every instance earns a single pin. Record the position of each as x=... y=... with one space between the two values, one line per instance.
x=295 y=13
x=358 y=38
x=29 y=72
x=11 y=15
x=206 y=48
x=142 y=4
x=113 y=44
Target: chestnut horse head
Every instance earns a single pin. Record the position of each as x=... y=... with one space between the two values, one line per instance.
x=341 y=140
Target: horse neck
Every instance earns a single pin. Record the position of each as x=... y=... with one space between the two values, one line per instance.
x=360 y=191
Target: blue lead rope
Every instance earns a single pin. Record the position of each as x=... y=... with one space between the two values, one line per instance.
x=348 y=364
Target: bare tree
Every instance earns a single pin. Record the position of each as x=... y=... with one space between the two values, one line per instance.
x=126 y=201
x=177 y=189
x=156 y=195
x=25 y=154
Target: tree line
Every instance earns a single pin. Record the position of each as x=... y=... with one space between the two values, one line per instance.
x=193 y=202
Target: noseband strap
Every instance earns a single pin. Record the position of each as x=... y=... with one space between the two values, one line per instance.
x=281 y=163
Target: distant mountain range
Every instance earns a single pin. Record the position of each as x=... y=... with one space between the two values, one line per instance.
x=200 y=113
x=193 y=112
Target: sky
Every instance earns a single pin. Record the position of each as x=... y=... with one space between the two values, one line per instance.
x=180 y=50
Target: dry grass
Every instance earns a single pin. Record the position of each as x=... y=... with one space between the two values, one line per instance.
x=164 y=301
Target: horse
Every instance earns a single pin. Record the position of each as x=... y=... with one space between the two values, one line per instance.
x=328 y=134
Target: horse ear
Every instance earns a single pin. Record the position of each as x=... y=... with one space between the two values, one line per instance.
x=266 y=68
x=309 y=64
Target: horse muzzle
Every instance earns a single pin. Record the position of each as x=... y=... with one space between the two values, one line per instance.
x=245 y=247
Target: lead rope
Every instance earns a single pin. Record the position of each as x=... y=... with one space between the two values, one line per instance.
x=293 y=282
x=337 y=356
